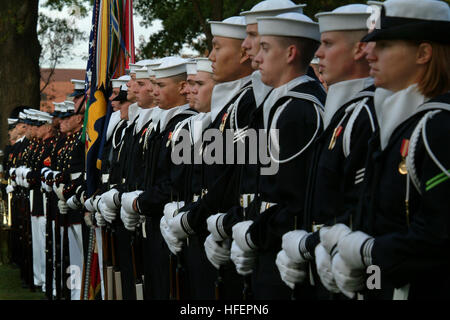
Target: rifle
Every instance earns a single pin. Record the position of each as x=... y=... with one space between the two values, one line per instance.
x=87 y=266
x=116 y=275
x=58 y=260
x=179 y=273
x=65 y=258
x=137 y=264
x=48 y=250
x=247 y=293
x=107 y=268
x=28 y=259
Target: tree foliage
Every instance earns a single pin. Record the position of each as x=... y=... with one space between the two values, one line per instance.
x=184 y=22
x=57 y=37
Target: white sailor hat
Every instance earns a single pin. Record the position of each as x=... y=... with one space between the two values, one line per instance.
x=117 y=83
x=427 y=20
x=139 y=65
x=270 y=8
x=170 y=66
x=289 y=24
x=348 y=17
x=204 y=64
x=232 y=27
x=191 y=67
x=152 y=66
x=142 y=73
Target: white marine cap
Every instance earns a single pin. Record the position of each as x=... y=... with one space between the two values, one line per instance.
x=170 y=66
x=22 y=117
x=315 y=60
x=58 y=109
x=204 y=64
x=142 y=73
x=117 y=83
x=62 y=108
x=270 y=8
x=191 y=67
x=30 y=111
x=70 y=106
x=89 y=75
x=289 y=24
x=78 y=84
x=232 y=27
x=45 y=117
x=348 y=17
x=12 y=121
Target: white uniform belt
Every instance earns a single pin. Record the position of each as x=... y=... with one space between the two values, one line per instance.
x=105 y=178
x=75 y=175
x=246 y=199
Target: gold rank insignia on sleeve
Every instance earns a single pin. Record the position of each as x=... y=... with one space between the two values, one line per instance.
x=403 y=152
x=336 y=133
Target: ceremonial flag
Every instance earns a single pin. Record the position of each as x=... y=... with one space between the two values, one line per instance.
x=109 y=54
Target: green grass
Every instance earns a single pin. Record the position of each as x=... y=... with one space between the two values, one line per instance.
x=11 y=287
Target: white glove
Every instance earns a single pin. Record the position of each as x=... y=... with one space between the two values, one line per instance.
x=62 y=206
x=172 y=242
x=348 y=280
x=290 y=271
x=323 y=266
x=11 y=171
x=107 y=213
x=89 y=203
x=25 y=172
x=171 y=209
x=356 y=249
x=217 y=254
x=329 y=237
x=130 y=220
x=244 y=260
x=242 y=237
x=9 y=188
x=44 y=170
x=111 y=199
x=73 y=203
x=176 y=226
x=291 y=245
x=128 y=199
x=99 y=219
x=58 y=189
x=19 y=176
x=215 y=226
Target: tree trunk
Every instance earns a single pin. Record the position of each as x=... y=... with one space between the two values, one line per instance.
x=19 y=52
